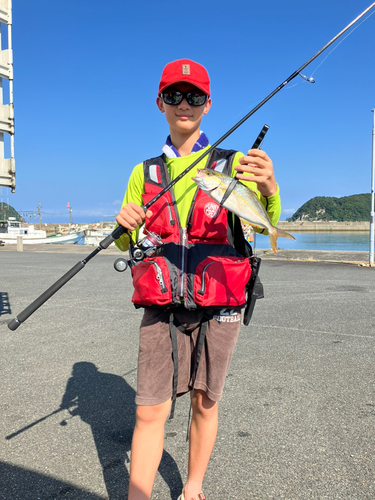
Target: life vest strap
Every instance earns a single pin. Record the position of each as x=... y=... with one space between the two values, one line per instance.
x=228 y=191
x=173 y=334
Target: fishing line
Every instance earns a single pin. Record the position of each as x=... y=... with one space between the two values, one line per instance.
x=229 y=120
x=334 y=48
x=310 y=79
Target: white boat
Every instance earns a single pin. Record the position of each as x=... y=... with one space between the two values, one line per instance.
x=32 y=236
x=96 y=234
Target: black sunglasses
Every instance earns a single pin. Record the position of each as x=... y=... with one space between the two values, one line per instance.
x=174 y=98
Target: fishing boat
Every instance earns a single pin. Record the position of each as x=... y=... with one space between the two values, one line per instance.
x=96 y=233
x=10 y=231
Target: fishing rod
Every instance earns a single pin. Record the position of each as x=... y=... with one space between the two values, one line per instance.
x=36 y=422
x=258 y=106
x=144 y=248
x=120 y=230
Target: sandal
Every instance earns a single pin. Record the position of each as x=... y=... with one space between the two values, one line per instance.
x=199 y=497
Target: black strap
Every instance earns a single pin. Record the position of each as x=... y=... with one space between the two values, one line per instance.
x=254 y=289
x=201 y=339
x=173 y=334
x=229 y=190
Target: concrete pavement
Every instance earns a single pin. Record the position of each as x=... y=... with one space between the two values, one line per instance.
x=296 y=419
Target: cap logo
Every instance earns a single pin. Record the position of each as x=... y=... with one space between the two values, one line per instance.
x=186 y=69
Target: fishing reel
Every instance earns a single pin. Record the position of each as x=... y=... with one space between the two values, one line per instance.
x=145 y=247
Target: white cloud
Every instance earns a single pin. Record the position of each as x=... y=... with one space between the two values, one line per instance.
x=288 y=211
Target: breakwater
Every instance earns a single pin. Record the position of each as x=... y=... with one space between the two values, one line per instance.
x=323 y=226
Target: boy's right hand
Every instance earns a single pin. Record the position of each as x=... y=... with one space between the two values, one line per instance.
x=132 y=215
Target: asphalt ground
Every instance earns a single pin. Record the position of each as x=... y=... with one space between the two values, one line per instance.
x=352 y=257
x=298 y=411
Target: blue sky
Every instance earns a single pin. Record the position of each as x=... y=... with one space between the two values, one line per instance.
x=86 y=75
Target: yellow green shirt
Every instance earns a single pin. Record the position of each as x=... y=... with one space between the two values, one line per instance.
x=185 y=189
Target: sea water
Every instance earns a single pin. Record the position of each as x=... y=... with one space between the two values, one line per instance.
x=333 y=240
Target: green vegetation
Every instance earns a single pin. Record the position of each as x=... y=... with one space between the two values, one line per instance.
x=7 y=211
x=346 y=209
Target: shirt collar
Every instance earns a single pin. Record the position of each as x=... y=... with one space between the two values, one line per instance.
x=171 y=152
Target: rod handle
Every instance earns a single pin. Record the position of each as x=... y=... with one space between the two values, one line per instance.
x=15 y=323
x=119 y=231
x=260 y=138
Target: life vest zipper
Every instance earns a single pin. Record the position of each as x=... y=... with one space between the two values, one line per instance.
x=171 y=220
x=184 y=237
x=203 y=283
x=159 y=276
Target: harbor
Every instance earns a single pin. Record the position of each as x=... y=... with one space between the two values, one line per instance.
x=19 y=233
x=341 y=236
x=297 y=413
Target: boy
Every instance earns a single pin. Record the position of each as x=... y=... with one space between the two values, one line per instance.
x=197 y=271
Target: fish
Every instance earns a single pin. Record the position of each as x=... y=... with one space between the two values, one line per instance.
x=242 y=201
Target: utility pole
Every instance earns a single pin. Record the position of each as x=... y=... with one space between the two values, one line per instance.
x=40 y=215
x=371 y=262
x=70 y=215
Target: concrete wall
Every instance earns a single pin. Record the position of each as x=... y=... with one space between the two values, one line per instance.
x=323 y=226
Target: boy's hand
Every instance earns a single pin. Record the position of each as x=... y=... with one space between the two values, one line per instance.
x=260 y=165
x=132 y=215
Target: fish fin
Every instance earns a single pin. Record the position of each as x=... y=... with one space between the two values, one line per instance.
x=273 y=239
x=246 y=222
x=274 y=233
x=284 y=234
x=246 y=226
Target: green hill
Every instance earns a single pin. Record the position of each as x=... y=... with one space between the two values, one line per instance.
x=7 y=211
x=348 y=208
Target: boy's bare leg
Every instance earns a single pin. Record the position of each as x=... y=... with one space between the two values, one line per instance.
x=147 y=449
x=203 y=431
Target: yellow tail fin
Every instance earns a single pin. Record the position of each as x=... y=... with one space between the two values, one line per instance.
x=274 y=233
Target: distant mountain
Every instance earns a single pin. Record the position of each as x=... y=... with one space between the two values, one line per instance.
x=348 y=208
x=7 y=211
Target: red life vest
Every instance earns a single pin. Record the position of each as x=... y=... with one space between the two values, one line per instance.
x=196 y=265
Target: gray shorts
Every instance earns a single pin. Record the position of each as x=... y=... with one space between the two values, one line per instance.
x=155 y=364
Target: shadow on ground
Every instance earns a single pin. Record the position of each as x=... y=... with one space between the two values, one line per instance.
x=106 y=403
x=21 y=484
x=4 y=304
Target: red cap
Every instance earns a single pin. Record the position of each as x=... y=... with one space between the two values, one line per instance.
x=185 y=70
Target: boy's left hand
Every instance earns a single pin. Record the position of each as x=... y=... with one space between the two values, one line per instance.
x=260 y=166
